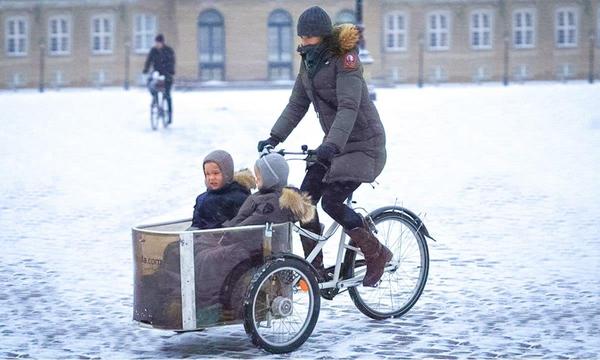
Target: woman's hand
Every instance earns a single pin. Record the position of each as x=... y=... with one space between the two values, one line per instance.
x=270 y=141
x=326 y=151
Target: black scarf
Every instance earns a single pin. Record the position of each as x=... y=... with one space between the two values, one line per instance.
x=313 y=57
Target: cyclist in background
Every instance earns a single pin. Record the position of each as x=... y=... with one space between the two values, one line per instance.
x=162 y=59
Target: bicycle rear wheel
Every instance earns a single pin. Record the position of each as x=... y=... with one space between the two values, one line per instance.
x=400 y=287
x=154 y=112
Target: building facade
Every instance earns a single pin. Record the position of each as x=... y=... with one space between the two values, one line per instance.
x=55 y=43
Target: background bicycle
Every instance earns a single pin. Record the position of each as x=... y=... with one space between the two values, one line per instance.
x=159 y=110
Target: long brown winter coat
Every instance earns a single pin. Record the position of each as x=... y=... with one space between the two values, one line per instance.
x=347 y=116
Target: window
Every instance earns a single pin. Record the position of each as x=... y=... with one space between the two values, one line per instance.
x=17 y=80
x=345 y=17
x=481 y=30
x=396 y=74
x=438 y=31
x=16 y=36
x=566 y=28
x=522 y=73
x=438 y=74
x=481 y=74
x=58 y=79
x=395 y=31
x=523 y=29
x=211 y=45
x=280 y=45
x=565 y=72
x=99 y=78
x=59 y=35
x=102 y=34
x=144 y=30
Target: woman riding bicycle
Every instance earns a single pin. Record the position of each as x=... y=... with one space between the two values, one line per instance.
x=353 y=149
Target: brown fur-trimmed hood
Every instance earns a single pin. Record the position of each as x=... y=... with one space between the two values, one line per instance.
x=245 y=178
x=298 y=203
x=344 y=38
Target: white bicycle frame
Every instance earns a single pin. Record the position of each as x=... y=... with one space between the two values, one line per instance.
x=321 y=239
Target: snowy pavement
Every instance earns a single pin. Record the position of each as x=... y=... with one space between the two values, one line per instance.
x=508 y=178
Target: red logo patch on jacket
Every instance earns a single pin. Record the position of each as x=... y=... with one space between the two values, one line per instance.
x=350 y=61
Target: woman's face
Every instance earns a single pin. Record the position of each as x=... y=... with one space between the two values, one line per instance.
x=310 y=40
x=213 y=176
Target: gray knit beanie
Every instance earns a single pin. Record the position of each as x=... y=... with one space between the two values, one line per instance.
x=225 y=162
x=314 y=21
x=274 y=171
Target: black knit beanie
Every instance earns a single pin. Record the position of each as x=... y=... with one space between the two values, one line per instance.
x=314 y=21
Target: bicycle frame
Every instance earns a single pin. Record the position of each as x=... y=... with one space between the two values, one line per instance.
x=342 y=248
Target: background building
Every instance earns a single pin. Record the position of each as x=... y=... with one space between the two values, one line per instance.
x=56 y=43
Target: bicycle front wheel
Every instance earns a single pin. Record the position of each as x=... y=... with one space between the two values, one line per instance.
x=154 y=113
x=166 y=113
x=282 y=305
x=402 y=285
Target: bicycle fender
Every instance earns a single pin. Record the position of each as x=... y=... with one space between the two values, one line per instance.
x=408 y=214
x=285 y=255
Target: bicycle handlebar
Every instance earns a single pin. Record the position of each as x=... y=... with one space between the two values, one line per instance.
x=270 y=149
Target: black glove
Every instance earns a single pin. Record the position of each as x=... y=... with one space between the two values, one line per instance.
x=326 y=151
x=270 y=141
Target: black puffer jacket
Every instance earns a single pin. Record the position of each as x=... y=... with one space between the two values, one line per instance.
x=162 y=60
x=347 y=116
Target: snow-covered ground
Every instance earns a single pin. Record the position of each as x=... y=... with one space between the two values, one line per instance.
x=508 y=179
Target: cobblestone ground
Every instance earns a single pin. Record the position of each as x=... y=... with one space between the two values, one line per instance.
x=508 y=179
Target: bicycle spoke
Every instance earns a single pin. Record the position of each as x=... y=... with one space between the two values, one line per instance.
x=399 y=288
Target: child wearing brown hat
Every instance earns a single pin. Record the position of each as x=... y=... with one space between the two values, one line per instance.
x=225 y=191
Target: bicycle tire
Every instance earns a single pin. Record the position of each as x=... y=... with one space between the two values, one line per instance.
x=268 y=285
x=166 y=114
x=379 y=303
x=154 y=113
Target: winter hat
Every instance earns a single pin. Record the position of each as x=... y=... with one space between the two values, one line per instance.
x=160 y=38
x=274 y=171
x=225 y=162
x=314 y=21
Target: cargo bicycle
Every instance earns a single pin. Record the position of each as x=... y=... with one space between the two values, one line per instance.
x=274 y=293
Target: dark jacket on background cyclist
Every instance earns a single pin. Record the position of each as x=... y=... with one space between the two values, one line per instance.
x=162 y=59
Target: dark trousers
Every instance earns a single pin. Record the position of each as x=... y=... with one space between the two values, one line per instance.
x=332 y=197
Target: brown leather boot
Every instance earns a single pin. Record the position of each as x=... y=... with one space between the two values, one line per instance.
x=308 y=245
x=376 y=254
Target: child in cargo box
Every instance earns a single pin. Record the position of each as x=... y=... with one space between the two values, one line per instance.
x=225 y=191
x=275 y=203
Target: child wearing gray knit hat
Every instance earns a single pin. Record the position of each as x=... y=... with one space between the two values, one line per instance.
x=274 y=202
x=271 y=172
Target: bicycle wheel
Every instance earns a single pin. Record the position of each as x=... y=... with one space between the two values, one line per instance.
x=154 y=113
x=282 y=305
x=401 y=287
x=166 y=118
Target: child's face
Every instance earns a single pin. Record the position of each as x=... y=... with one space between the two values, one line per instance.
x=213 y=176
x=259 y=182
